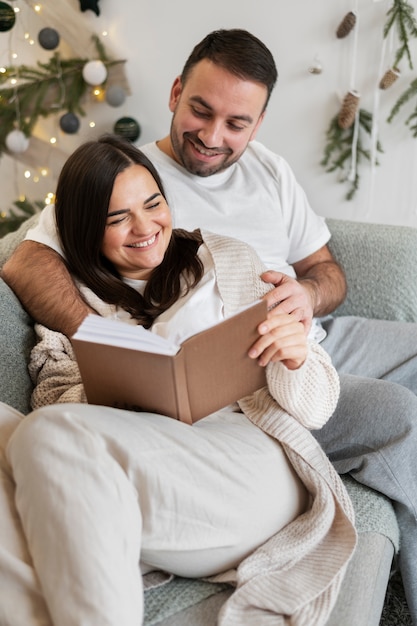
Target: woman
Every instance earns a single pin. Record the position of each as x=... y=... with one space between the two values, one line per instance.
x=99 y=490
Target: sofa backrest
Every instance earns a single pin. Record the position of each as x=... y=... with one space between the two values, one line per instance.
x=380 y=262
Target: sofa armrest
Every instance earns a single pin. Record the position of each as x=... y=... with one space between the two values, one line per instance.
x=380 y=262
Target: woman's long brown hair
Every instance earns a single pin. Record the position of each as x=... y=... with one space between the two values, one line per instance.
x=83 y=195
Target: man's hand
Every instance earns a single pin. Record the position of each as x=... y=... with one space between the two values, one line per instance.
x=282 y=338
x=289 y=296
x=319 y=288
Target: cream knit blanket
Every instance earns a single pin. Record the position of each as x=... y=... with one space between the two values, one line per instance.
x=294 y=578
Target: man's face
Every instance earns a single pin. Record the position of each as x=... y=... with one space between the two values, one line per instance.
x=216 y=114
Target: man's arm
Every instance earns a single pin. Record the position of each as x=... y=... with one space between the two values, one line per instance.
x=41 y=281
x=324 y=278
x=320 y=287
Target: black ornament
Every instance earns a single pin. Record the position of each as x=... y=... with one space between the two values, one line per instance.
x=7 y=17
x=69 y=123
x=91 y=5
x=128 y=128
x=48 y=38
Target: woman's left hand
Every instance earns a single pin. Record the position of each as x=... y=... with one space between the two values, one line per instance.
x=282 y=339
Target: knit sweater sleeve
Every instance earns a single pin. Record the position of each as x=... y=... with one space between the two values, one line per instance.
x=54 y=370
x=309 y=393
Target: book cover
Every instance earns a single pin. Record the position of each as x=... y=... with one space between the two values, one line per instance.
x=206 y=372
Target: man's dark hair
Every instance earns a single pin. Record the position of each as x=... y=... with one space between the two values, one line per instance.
x=240 y=53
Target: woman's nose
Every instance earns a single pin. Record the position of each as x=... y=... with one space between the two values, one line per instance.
x=141 y=225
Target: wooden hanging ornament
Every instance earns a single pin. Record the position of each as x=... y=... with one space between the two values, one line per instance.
x=389 y=77
x=348 y=109
x=346 y=25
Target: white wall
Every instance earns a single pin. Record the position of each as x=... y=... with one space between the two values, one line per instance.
x=155 y=36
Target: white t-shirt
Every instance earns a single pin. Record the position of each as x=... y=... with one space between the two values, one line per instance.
x=195 y=311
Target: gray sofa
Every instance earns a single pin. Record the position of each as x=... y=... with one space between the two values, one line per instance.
x=379 y=260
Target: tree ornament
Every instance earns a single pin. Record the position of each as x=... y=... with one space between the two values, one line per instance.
x=115 y=95
x=92 y=5
x=389 y=78
x=69 y=123
x=48 y=38
x=16 y=141
x=316 y=67
x=348 y=109
x=94 y=72
x=7 y=17
x=128 y=128
x=346 y=25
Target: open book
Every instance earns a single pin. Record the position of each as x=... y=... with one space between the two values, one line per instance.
x=132 y=368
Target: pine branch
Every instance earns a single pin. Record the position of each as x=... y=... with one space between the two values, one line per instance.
x=12 y=219
x=401 y=15
x=403 y=99
x=338 y=150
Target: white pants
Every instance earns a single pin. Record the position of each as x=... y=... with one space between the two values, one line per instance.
x=99 y=489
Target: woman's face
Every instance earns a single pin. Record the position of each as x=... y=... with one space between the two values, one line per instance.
x=139 y=224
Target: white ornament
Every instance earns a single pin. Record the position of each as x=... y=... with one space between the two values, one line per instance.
x=16 y=141
x=94 y=72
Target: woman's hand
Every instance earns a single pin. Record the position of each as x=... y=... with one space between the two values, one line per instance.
x=282 y=339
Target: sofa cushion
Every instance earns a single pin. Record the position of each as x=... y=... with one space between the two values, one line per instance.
x=380 y=263
x=16 y=340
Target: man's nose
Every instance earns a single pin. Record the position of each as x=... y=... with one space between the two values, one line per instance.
x=211 y=134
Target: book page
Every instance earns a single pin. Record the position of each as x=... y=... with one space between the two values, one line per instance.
x=113 y=332
x=117 y=333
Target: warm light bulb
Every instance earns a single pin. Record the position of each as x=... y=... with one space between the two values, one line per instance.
x=52 y=140
x=44 y=171
x=92 y=124
x=37 y=7
x=27 y=174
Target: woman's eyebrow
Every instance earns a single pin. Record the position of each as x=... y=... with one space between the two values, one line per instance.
x=119 y=212
x=157 y=194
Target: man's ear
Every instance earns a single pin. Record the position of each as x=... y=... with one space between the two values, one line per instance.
x=175 y=94
x=257 y=126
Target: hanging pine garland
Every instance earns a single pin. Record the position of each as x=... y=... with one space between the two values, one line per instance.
x=411 y=120
x=401 y=16
x=338 y=149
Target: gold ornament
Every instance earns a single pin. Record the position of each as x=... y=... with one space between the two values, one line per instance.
x=389 y=77
x=346 y=25
x=348 y=109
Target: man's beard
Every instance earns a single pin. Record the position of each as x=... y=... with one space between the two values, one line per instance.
x=191 y=164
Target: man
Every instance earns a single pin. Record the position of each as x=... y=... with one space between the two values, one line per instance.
x=218 y=177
